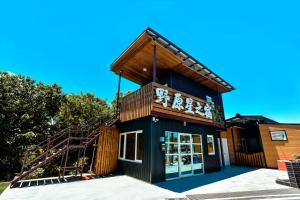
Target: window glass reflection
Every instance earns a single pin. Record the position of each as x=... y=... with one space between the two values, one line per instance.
x=172 y=170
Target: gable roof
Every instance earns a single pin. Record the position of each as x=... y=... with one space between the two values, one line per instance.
x=137 y=60
x=244 y=119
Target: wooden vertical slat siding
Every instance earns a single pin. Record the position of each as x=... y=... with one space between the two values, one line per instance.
x=227 y=134
x=142 y=103
x=250 y=159
x=280 y=150
x=136 y=105
x=107 y=151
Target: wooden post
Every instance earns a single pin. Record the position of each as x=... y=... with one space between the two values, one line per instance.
x=78 y=159
x=154 y=63
x=61 y=163
x=118 y=94
x=92 y=162
x=83 y=161
x=233 y=144
x=67 y=154
x=220 y=101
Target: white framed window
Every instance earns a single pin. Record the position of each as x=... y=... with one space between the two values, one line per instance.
x=210 y=145
x=131 y=146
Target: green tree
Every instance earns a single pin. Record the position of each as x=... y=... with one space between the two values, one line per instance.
x=114 y=101
x=78 y=109
x=30 y=112
x=26 y=109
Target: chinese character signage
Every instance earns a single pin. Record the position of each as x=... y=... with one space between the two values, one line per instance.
x=278 y=136
x=187 y=105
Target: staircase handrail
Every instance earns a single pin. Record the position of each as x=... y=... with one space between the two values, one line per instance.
x=60 y=134
x=45 y=153
x=91 y=129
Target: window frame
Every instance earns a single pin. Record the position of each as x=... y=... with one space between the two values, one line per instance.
x=278 y=140
x=123 y=157
x=213 y=144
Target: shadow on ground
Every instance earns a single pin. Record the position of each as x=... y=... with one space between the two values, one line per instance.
x=188 y=183
x=55 y=180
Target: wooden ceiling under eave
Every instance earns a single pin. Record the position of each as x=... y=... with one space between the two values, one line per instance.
x=139 y=56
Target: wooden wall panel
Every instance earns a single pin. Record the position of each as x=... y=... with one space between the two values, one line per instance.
x=280 y=150
x=142 y=103
x=107 y=151
x=136 y=105
x=238 y=158
x=228 y=135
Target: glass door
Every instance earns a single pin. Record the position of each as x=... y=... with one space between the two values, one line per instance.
x=172 y=155
x=183 y=154
x=197 y=154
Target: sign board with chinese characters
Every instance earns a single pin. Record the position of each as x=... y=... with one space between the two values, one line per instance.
x=278 y=135
x=169 y=101
x=162 y=101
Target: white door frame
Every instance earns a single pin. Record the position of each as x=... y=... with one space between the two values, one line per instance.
x=225 y=152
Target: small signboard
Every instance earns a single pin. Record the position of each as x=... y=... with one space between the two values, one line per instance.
x=278 y=136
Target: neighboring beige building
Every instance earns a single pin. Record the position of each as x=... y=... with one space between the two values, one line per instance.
x=260 y=142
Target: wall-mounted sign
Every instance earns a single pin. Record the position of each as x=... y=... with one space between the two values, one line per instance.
x=278 y=135
x=162 y=139
x=158 y=100
x=188 y=105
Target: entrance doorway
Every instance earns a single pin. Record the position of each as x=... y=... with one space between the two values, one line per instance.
x=225 y=152
x=184 y=155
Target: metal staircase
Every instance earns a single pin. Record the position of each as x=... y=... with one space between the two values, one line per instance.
x=59 y=145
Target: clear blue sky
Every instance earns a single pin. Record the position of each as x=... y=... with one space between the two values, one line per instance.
x=254 y=45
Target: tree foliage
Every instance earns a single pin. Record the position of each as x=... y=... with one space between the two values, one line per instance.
x=114 y=101
x=78 y=109
x=30 y=112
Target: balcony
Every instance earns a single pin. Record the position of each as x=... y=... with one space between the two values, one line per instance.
x=158 y=100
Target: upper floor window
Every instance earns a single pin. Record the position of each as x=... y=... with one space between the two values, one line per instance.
x=130 y=146
x=210 y=145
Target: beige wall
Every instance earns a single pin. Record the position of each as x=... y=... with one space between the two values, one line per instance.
x=280 y=150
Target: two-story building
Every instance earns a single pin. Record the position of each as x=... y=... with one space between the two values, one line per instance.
x=170 y=127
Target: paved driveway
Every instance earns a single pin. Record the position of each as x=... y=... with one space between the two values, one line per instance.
x=232 y=179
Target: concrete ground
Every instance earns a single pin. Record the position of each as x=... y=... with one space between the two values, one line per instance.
x=231 y=179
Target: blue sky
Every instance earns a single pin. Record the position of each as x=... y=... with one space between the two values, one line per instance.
x=254 y=45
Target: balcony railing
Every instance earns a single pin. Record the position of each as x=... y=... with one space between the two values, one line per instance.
x=159 y=100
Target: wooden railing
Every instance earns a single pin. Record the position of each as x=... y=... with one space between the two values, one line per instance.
x=142 y=103
x=252 y=160
x=137 y=104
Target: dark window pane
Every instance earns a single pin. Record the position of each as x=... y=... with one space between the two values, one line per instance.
x=121 y=155
x=196 y=138
x=171 y=166
x=185 y=138
x=171 y=136
x=171 y=148
x=210 y=145
x=139 y=146
x=130 y=146
x=185 y=148
x=197 y=148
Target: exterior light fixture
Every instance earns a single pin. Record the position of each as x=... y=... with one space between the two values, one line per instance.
x=144 y=69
